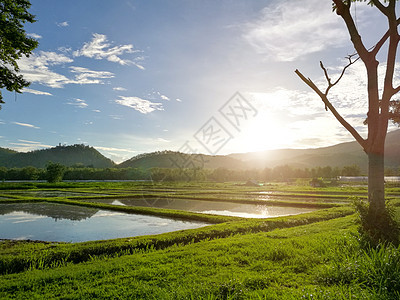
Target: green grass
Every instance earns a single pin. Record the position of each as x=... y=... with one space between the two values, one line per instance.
x=19 y=256
x=291 y=263
x=310 y=256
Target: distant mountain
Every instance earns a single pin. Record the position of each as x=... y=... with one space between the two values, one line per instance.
x=171 y=159
x=336 y=156
x=339 y=155
x=67 y=155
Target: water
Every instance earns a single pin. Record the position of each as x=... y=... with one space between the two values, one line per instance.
x=67 y=223
x=218 y=208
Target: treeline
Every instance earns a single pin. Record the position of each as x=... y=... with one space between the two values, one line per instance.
x=279 y=173
x=73 y=173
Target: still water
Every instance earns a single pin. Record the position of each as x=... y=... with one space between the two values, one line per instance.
x=67 y=223
x=217 y=208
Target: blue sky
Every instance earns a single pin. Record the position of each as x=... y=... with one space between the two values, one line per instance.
x=129 y=77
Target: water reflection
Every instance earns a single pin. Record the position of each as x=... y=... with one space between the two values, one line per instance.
x=54 y=211
x=214 y=207
x=57 y=222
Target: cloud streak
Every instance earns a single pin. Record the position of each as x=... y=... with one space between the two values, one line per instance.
x=79 y=103
x=141 y=105
x=25 y=125
x=86 y=76
x=36 y=92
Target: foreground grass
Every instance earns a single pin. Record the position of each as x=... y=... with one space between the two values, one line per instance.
x=291 y=263
x=310 y=256
x=20 y=256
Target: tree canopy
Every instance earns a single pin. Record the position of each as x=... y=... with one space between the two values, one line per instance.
x=14 y=43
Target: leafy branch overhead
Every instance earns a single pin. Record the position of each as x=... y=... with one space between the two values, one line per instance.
x=14 y=43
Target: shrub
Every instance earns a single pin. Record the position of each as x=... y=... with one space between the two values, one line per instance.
x=376 y=227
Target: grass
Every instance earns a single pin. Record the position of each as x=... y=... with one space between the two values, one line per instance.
x=290 y=263
x=19 y=256
x=310 y=256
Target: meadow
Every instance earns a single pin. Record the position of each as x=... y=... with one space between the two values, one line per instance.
x=315 y=255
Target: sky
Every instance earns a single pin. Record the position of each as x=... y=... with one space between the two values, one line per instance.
x=215 y=77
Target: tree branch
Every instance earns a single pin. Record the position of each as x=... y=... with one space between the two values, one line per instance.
x=328 y=79
x=329 y=105
x=396 y=90
x=382 y=41
x=382 y=8
x=343 y=10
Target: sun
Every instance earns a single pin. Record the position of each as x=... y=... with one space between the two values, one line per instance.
x=265 y=132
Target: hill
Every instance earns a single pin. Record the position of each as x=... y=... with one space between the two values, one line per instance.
x=6 y=153
x=66 y=155
x=172 y=159
x=339 y=155
x=336 y=156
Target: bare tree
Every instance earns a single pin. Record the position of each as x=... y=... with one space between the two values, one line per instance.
x=382 y=108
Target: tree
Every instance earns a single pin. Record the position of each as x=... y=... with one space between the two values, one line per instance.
x=14 y=43
x=55 y=172
x=380 y=109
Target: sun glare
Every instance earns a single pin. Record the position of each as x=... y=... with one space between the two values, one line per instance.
x=264 y=133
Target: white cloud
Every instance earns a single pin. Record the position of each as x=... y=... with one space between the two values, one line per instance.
x=179 y=100
x=25 y=145
x=116 y=117
x=288 y=30
x=36 y=92
x=63 y=24
x=99 y=48
x=79 y=103
x=113 y=149
x=30 y=142
x=162 y=140
x=118 y=88
x=86 y=76
x=34 y=35
x=35 y=68
x=96 y=110
x=163 y=97
x=65 y=50
x=141 y=105
x=26 y=125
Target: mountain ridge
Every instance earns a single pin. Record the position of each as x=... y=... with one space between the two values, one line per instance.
x=338 y=155
x=77 y=154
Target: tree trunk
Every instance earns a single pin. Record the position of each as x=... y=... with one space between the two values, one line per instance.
x=376 y=184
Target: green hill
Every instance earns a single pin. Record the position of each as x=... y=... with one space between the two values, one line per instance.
x=67 y=155
x=339 y=155
x=171 y=159
x=5 y=154
x=336 y=156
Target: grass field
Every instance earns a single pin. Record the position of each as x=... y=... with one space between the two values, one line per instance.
x=310 y=256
